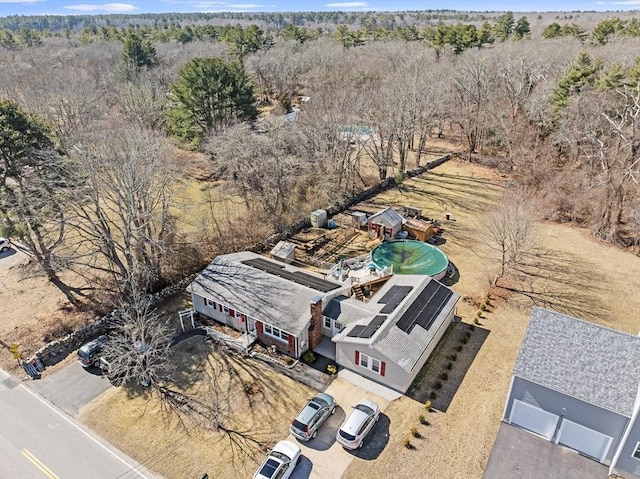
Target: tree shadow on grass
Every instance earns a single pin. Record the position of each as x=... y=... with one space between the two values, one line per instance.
x=451 y=350
x=562 y=282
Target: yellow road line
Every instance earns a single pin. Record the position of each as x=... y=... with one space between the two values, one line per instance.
x=36 y=462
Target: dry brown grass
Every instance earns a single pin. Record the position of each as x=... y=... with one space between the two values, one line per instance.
x=253 y=398
x=569 y=272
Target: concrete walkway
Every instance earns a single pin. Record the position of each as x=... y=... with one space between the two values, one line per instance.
x=371 y=386
x=327 y=348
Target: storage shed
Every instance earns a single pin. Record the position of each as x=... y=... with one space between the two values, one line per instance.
x=412 y=211
x=284 y=251
x=420 y=229
x=358 y=219
x=385 y=224
x=319 y=218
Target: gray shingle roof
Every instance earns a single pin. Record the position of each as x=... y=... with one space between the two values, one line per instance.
x=587 y=361
x=345 y=310
x=282 y=303
x=406 y=349
x=388 y=217
x=398 y=346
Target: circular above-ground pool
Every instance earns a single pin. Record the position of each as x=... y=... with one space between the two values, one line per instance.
x=411 y=257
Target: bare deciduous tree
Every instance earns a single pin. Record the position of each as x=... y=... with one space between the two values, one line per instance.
x=507 y=231
x=139 y=345
x=122 y=216
x=262 y=167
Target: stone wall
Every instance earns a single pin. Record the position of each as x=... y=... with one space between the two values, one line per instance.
x=57 y=350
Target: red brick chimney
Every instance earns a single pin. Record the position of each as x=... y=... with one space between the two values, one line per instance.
x=315 y=328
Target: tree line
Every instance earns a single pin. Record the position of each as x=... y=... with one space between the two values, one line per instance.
x=437 y=29
x=96 y=145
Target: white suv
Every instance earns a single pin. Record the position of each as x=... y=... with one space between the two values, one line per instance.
x=5 y=244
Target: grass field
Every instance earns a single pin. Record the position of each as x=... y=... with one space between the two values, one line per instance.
x=570 y=272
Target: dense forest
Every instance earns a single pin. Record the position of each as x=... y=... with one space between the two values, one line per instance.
x=106 y=121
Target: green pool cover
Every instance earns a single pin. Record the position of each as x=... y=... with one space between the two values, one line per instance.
x=410 y=257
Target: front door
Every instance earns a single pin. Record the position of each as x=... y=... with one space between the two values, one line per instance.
x=331 y=327
x=327 y=326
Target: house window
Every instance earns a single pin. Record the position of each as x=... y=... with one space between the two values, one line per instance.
x=210 y=303
x=327 y=322
x=370 y=363
x=276 y=333
x=364 y=360
x=375 y=365
x=225 y=310
x=636 y=452
x=338 y=326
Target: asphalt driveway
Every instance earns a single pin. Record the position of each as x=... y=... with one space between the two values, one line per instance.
x=72 y=387
x=518 y=454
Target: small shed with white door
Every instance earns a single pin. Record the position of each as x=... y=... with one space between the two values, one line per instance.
x=576 y=384
x=385 y=224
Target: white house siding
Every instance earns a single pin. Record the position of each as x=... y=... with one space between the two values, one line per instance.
x=394 y=376
x=200 y=305
x=406 y=354
x=575 y=410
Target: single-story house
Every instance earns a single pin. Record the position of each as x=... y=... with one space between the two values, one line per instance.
x=390 y=337
x=387 y=338
x=577 y=384
x=385 y=224
x=269 y=300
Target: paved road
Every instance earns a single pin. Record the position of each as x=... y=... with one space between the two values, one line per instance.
x=38 y=441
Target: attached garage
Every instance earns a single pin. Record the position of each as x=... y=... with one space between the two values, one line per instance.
x=534 y=419
x=584 y=440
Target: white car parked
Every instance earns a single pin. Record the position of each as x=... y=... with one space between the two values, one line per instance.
x=356 y=427
x=5 y=244
x=280 y=462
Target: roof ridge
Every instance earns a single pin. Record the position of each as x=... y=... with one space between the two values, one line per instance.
x=591 y=323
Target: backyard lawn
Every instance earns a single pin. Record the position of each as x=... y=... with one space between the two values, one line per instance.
x=568 y=271
x=574 y=274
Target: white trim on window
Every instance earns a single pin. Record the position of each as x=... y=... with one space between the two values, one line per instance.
x=636 y=452
x=276 y=333
x=370 y=363
x=209 y=303
x=327 y=322
x=225 y=310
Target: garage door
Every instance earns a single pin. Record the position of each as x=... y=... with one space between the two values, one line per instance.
x=585 y=440
x=533 y=418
